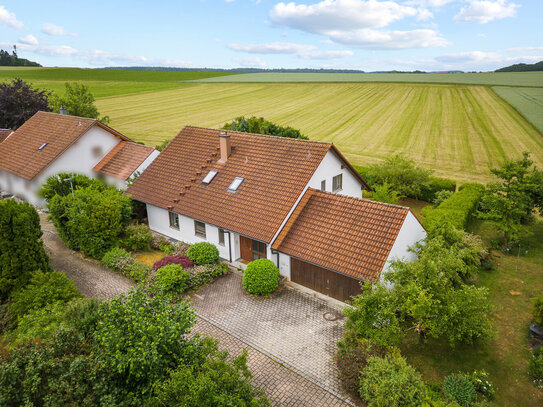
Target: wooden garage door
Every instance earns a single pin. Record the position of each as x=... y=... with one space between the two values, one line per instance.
x=325 y=281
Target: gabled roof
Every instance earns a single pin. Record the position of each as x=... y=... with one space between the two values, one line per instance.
x=349 y=235
x=21 y=155
x=275 y=171
x=123 y=160
x=4 y=133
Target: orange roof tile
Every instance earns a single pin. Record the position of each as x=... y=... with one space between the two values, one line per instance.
x=124 y=159
x=4 y=133
x=20 y=153
x=349 y=235
x=275 y=169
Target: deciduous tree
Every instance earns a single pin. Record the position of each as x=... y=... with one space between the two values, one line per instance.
x=19 y=102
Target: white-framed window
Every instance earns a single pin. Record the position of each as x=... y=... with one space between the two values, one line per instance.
x=200 y=229
x=323 y=185
x=221 y=237
x=235 y=184
x=174 y=220
x=337 y=182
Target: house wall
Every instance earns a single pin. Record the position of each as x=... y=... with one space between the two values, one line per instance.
x=159 y=221
x=410 y=233
x=80 y=157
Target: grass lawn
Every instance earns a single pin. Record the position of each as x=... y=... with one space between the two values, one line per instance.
x=149 y=258
x=459 y=131
x=511 y=286
x=528 y=101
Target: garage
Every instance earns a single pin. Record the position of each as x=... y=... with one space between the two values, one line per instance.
x=324 y=281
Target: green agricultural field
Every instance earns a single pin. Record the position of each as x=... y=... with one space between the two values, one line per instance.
x=485 y=78
x=528 y=101
x=459 y=131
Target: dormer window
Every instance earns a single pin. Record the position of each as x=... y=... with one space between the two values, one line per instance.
x=42 y=146
x=209 y=177
x=235 y=184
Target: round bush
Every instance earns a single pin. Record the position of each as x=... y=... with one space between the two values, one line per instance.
x=203 y=253
x=390 y=381
x=183 y=261
x=460 y=388
x=261 y=277
x=137 y=237
x=172 y=278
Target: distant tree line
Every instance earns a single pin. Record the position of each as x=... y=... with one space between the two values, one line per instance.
x=260 y=70
x=7 y=59
x=538 y=66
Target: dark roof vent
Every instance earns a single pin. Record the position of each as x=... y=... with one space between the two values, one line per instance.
x=63 y=110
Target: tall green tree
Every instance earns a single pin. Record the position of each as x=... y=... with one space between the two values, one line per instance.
x=259 y=125
x=514 y=197
x=21 y=246
x=78 y=101
x=19 y=102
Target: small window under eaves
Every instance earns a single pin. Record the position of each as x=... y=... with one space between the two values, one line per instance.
x=42 y=146
x=235 y=184
x=209 y=177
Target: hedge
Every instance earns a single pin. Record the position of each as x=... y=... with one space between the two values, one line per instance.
x=457 y=210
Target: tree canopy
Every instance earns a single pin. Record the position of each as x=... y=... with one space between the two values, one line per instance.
x=19 y=102
x=78 y=101
x=7 y=59
x=259 y=125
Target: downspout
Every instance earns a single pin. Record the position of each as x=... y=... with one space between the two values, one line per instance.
x=229 y=245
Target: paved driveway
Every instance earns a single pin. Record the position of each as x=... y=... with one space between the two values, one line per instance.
x=290 y=327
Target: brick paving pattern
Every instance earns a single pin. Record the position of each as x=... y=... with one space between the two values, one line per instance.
x=290 y=326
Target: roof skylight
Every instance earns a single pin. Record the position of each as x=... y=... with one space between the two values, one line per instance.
x=235 y=184
x=42 y=146
x=209 y=177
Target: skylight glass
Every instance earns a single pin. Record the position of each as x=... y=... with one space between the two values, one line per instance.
x=209 y=177
x=42 y=146
x=235 y=184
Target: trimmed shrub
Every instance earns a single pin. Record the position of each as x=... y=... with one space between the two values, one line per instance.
x=352 y=357
x=183 y=261
x=137 y=237
x=55 y=184
x=458 y=209
x=538 y=311
x=21 y=246
x=119 y=260
x=460 y=388
x=433 y=186
x=391 y=382
x=535 y=367
x=442 y=196
x=93 y=221
x=261 y=277
x=138 y=272
x=203 y=253
x=43 y=289
x=172 y=279
x=204 y=274
x=160 y=243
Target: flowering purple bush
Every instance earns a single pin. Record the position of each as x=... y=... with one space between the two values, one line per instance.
x=183 y=261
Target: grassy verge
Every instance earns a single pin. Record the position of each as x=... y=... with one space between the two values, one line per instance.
x=516 y=280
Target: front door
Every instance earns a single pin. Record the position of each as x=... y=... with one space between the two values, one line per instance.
x=251 y=249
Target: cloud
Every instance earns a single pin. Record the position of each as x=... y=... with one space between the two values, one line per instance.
x=250 y=62
x=483 y=60
x=55 y=30
x=303 y=51
x=429 y=3
x=9 y=19
x=485 y=11
x=29 y=39
x=358 y=23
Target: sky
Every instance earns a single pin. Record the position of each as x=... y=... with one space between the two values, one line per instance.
x=372 y=35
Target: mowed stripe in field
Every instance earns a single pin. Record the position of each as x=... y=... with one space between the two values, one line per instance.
x=459 y=131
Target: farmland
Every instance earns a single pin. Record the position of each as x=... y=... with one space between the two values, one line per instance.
x=459 y=131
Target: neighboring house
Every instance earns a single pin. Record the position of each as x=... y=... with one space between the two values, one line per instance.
x=295 y=202
x=50 y=143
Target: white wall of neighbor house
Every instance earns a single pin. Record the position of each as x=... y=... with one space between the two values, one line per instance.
x=410 y=233
x=284 y=265
x=159 y=221
x=18 y=186
x=329 y=167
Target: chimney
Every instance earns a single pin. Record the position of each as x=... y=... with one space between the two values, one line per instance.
x=63 y=110
x=225 y=146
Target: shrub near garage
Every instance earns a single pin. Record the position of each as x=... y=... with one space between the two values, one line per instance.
x=261 y=277
x=203 y=253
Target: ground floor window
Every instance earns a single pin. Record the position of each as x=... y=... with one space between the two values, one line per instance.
x=200 y=229
x=174 y=220
x=221 y=237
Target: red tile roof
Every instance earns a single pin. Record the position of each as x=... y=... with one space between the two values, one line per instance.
x=20 y=153
x=124 y=159
x=275 y=169
x=4 y=133
x=348 y=235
